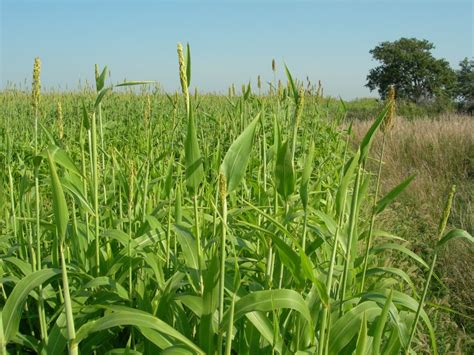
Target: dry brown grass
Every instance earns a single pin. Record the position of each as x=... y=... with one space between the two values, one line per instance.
x=441 y=153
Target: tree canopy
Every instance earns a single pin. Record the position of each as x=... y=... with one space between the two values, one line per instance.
x=409 y=65
x=465 y=84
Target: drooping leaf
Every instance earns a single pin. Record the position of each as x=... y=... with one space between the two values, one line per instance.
x=14 y=306
x=136 y=318
x=267 y=301
x=455 y=233
x=389 y=197
x=237 y=157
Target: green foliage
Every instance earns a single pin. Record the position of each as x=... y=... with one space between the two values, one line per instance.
x=409 y=65
x=464 y=91
x=144 y=267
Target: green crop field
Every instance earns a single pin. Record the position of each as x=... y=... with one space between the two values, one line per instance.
x=133 y=221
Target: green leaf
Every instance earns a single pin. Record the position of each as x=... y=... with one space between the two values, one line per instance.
x=292 y=84
x=133 y=83
x=455 y=233
x=14 y=306
x=284 y=171
x=188 y=246
x=369 y=136
x=267 y=301
x=100 y=82
x=193 y=160
x=188 y=64
x=361 y=346
x=308 y=166
x=389 y=197
x=346 y=327
x=237 y=157
x=101 y=95
x=401 y=249
x=85 y=117
x=62 y=158
x=342 y=190
x=380 y=325
x=61 y=215
x=133 y=317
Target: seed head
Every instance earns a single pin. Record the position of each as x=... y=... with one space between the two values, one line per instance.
x=259 y=82
x=96 y=73
x=222 y=187
x=447 y=211
x=320 y=89
x=182 y=70
x=35 y=95
x=59 y=120
x=273 y=65
x=299 y=106
x=280 y=89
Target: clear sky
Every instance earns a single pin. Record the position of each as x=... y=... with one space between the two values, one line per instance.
x=231 y=41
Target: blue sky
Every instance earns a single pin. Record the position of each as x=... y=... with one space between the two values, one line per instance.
x=231 y=41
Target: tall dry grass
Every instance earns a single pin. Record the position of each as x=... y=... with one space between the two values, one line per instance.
x=441 y=153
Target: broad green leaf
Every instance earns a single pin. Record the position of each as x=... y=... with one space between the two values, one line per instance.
x=193 y=160
x=389 y=197
x=405 y=301
x=346 y=327
x=133 y=317
x=267 y=301
x=455 y=233
x=237 y=157
x=14 y=306
x=188 y=246
x=177 y=350
x=61 y=215
x=284 y=171
x=62 y=158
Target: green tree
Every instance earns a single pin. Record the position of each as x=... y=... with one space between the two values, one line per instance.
x=409 y=65
x=465 y=84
